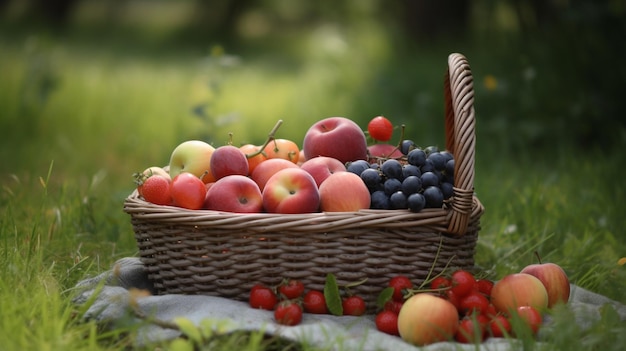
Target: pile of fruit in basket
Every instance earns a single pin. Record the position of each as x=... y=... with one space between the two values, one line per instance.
x=339 y=168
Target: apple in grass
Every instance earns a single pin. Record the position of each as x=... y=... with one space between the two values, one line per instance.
x=336 y=137
x=554 y=279
x=519 y=289
x=291 y=190
x=344 y=192
x=228 y=160
x=266 y=169
x=425 y=319
x=322 y=166
x=193 y=156
x=234 y=193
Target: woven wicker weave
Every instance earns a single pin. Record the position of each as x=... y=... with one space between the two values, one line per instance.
x=225 y=254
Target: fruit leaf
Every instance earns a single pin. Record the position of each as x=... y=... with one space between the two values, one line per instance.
x=331 y=294
x=384 y=297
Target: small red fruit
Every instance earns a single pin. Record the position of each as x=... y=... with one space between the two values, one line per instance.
x=484 y=286
x=393 y=306
x=471 y=330
x=474 y=302
x=156 y=189
x=262 y=297
x=462 y=282
x=440 y=282
x=353 y=306
x=453 y=298
x=387 y=322
x=491 y=310
x=291 y=289
x=380 y=128
x=400 y=283
x=315 y=302
x=288 y=313
x=499 y=326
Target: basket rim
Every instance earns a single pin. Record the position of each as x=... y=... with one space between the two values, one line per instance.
x=437 y=219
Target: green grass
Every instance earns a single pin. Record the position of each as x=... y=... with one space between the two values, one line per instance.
x=82 y=120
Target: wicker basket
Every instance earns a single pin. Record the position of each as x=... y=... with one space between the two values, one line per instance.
x=225 y=254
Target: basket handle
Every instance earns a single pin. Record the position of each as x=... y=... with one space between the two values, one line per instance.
x=460 y=139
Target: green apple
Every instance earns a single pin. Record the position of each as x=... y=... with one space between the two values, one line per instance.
x=193 y=156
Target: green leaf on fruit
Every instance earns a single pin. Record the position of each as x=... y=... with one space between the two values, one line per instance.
x=331 y=294
x=384 y=297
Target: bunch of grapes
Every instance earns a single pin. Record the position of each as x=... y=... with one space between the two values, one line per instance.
x=422 y=178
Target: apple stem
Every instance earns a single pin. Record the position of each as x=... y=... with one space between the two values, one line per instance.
x=204 y=174
x=270 y=137
x=402 y=126
x=538 y=257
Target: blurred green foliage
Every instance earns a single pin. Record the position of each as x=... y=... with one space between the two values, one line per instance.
x=548 y=73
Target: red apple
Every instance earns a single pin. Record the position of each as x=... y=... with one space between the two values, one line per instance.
x=291 y=190
x=344 y=192
x=321 y=167
x=193 y=156
x=519 y=289
x=336 y=137
x=425 y=319
x=531 y=317
x=554 y=280
x=188 y=191
x=234 y=193
x=384 y=151
x=266 y=169
x=228 y=160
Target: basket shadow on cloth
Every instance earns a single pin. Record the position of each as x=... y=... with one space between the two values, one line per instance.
x=226 y=254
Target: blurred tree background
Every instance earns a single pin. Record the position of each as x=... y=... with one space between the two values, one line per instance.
x=547 y=72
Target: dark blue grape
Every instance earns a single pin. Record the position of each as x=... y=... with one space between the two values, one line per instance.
x=410 y=170
x=416 y=202
x=411 y=185
x=357 y=167
x=448 y=155
x=447 y=190
x=392 y=185
x=392 y=169
x=406 y=146
x=448 y=179
x=427 y=166
x=416 y=157
x=433 y=196
x=397 y=201
x=450 y=168
x=439 y=175
x=371 y=178
x=379 y=200
x=438 y=160
x=429 y=179
x=430 y=149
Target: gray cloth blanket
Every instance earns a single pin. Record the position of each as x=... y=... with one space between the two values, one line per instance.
x=114 y=297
